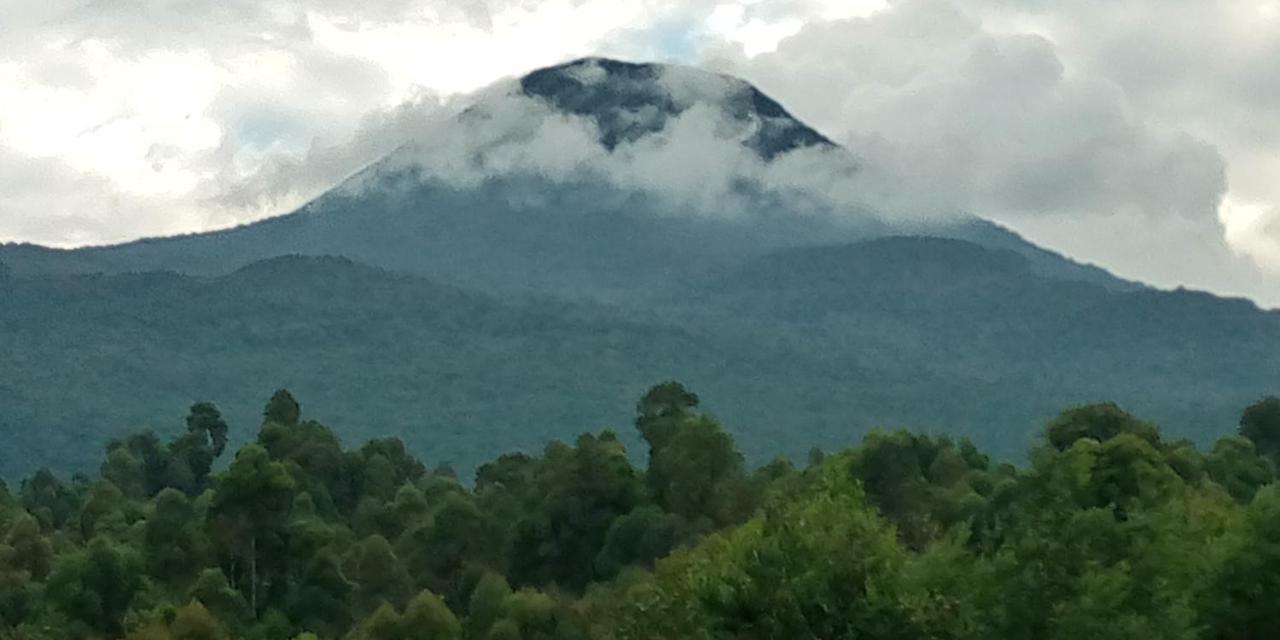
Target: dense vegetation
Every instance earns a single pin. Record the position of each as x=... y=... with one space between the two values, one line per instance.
x=1111 y=531
x=809 y=347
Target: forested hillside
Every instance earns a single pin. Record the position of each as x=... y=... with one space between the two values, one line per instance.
x=1110 y=531
x=804 y=347
x=459 y=376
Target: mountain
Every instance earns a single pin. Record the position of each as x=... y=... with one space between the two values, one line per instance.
x=578 y=235
x=486 y=283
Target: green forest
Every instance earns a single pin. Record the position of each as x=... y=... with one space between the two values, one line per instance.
x=1109 y=530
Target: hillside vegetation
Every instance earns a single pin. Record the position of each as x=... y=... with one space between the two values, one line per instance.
x=800 y=348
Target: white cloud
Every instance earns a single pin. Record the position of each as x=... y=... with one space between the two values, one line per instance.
x=216 y=113
x=978 y=105
x=1078 y=123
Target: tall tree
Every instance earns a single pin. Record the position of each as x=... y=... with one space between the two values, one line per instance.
x=205 y=419
x=251 y=505
x=282 y=409
x=1260 y=423
x=95 y=586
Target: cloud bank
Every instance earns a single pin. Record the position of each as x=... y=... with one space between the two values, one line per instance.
x=1141 y=135
x=1003 y=122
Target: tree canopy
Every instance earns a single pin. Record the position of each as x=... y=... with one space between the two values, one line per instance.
x=1109 y=531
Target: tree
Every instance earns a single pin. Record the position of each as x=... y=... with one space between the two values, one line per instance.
x=437 y=550
x=212 y=590
x=821 y=565
x=95 y=586
x=282 y=409
x=103 y=512
x=695 y=471
x=150 y=456
x=485 y=607
x=530 y=613
x=195 y=622
x=1238 y=603
x=48 y=499
x=125 y=471
x=639 y=538
x=19 y=593
x=175 y=546
x=582 y=489
x=427 y=616
x=1260 y=423
x=190 y=456
x=380 y=575
x=384 y=624
x=250 y=505
x=1236 y=465
x=31 y=551
x=205 y=419
x=1099 y=422
x=319 y=597
x=665 y=400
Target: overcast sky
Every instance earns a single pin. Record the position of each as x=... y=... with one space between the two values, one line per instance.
x=1143 y=135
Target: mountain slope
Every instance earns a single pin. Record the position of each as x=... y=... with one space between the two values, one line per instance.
x=805 y=347
x=93 y=357
x=1189 y=360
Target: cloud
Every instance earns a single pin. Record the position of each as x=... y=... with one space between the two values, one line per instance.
x=45 y=198
x=1125 y=133
x=697 y=160
x=976 y=105
x=991 y=123
x=224 y=112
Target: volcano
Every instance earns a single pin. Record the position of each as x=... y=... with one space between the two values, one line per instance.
x=526 y=270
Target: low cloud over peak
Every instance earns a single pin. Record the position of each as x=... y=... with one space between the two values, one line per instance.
x=1123 y=133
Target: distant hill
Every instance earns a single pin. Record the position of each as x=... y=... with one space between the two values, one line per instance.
x=808 y=347
x=461 y=376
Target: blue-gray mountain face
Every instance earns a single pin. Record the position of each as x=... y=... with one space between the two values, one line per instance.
x=523 y=304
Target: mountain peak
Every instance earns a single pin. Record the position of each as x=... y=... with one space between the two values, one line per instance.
x=630 y=100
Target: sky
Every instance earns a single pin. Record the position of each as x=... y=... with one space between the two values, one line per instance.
x=1141 y=135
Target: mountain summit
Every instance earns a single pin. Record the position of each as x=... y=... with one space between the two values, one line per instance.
x=628 y=100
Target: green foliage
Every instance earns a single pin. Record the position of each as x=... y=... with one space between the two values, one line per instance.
x=822 y=567
x=1260 y=423
x=581 y=490
x=640 y=538
x=1235 y=464
x=379 y=574
x=282 y=409
x=1110 y=532
x=1099 y=422
x=428 y=616
x=194 y=622
x=486 y=606
x=94 y=587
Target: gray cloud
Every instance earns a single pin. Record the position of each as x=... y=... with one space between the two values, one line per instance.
x=45 y=198
x=1006 y=125
x=697 y=161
